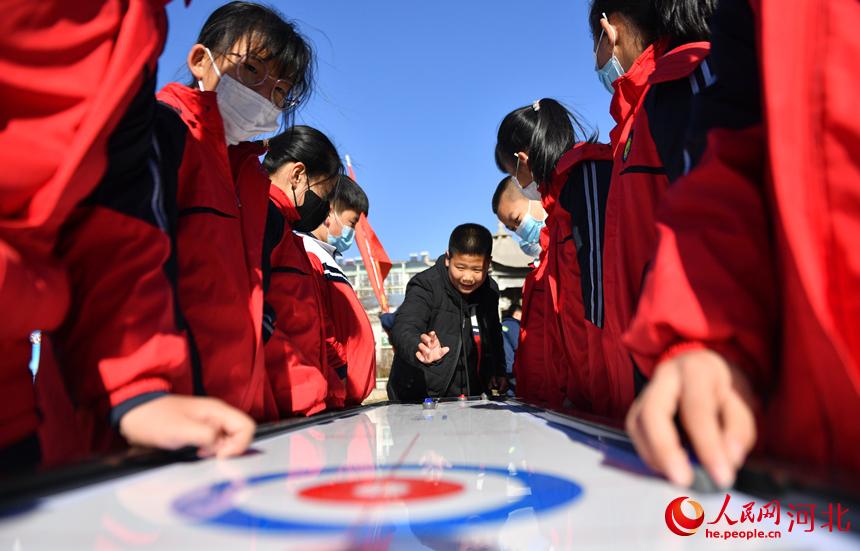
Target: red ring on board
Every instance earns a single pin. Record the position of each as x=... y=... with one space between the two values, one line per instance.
x=381 y=490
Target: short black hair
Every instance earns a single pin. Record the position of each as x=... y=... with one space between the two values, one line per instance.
x=470 y=239
x=278 y=38
x=349 y=196
x=306 y=145
x=506 y=184
x=679 y=21
x=515 y=306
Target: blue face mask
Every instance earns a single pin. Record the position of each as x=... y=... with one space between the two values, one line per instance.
x=529 y=229
x=344 y=241
x=611 y=70
x=609 y=73
x=532 y=250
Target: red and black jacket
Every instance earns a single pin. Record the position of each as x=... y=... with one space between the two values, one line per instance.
x=71 y=71
x=302 y=357
x=221 y=200
x=351 y=326
x=576 y=204
x=531 y=369
x=651 y=107
x=757 y=257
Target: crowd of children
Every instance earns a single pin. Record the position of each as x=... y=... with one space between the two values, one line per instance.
x=694 y=278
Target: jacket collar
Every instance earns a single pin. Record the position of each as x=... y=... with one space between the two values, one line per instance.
x=679 y=62
x=198 y=109
x=330 y=250
x=284 y=203
x=630 y=86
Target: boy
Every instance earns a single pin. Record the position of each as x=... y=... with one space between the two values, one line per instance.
x=447 y=334
x=523 y=217
x=352 y=329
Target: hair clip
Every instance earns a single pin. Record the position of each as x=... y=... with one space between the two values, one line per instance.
x=536 y=105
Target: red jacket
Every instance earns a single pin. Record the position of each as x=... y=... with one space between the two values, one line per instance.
x=757 y=255
x=539 y=375
x=71 y=69
x=575 y=201
x=222 y=197
x=651 y=109
x=301 y=355
x=351 y=326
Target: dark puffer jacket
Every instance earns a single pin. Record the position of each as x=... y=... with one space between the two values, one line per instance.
x=433 y=304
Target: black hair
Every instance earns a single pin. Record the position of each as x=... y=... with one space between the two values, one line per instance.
x=504 y=186
x=306 y=145
x=679 y=21
x=350 y=196
x=515 y=306
x=470 y=239
x=544 y=134
x=275 y=37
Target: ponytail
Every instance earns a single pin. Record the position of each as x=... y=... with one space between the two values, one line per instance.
x=545 y=130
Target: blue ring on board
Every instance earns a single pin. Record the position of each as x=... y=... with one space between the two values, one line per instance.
x=212 y=505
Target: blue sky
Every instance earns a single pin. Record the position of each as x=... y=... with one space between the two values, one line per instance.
x=414 y=93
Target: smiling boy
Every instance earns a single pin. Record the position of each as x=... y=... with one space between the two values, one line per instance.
x=447 y=332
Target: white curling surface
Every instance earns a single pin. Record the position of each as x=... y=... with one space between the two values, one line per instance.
x=618 y=509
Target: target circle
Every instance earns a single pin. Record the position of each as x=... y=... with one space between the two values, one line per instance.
x=215 y=505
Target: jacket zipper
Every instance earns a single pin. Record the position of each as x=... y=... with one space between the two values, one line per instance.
x=454 y=372
x=468 y=388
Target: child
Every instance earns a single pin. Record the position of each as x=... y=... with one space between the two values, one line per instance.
x=544 y=143
x=122 y=355
x=250 y=69
x=303 y=358
x=521 y=215
x=447 y=334
x=352 y=329
x=652 y=56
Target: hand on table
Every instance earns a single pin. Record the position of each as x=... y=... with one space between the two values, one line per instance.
x=172 y=422
x=716 y=408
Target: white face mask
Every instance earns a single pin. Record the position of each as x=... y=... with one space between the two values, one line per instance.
x=531 y=192
x=245 y=112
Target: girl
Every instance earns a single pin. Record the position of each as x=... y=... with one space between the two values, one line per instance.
x=305 y=363
x=651 y=55
x=543 y=143
x=250 y=70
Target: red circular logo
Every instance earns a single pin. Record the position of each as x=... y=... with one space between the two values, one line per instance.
x=380 y=490
x=678 y=522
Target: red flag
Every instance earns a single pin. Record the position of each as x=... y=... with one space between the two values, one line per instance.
x=376 y=260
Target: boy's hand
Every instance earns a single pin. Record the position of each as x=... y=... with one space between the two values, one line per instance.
x=430 y=350
x=173 y=422
x=716 y=409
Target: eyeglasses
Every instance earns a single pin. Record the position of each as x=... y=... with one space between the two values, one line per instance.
x=253 y=72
